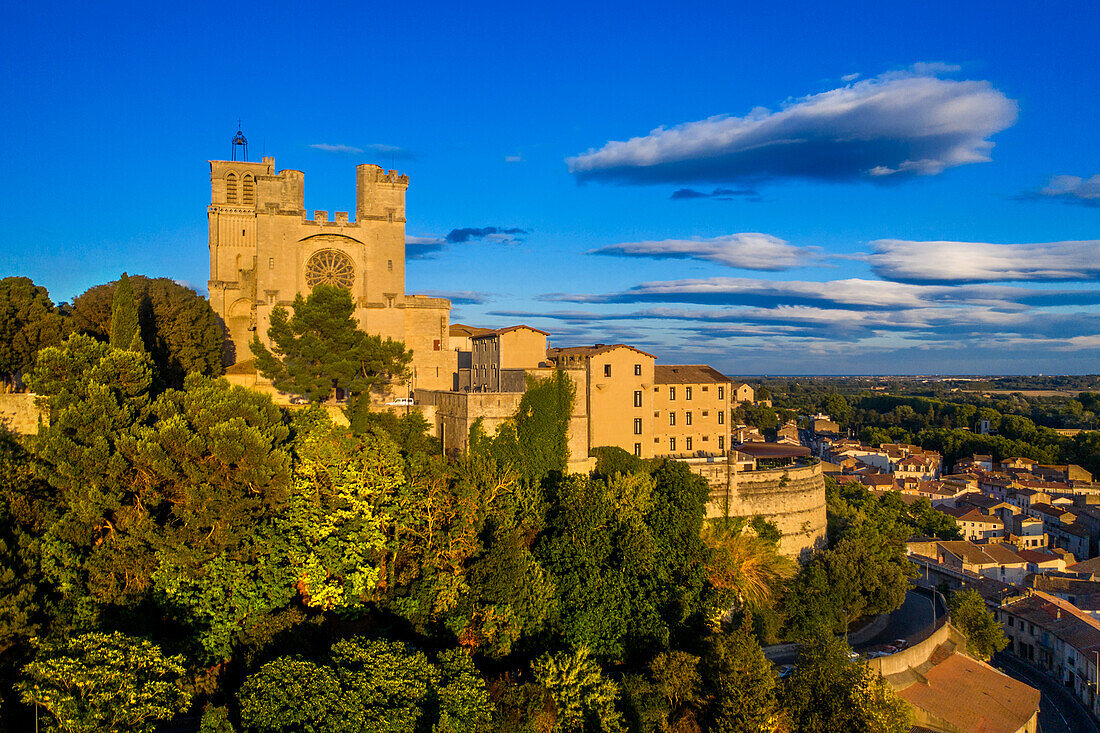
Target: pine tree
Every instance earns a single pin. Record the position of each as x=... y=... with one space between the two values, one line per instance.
x=125 y=330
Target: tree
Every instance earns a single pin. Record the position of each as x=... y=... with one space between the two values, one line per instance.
x=178 y=327
x=320 y=347
x=177 y=496
x=739 y=684
x=462 y=696
x=827 y=692
x=747 y=567
x=292 y=694
x=584 y=698
x=984 y=636
x=28 y=323
x=125 y=330
x=105 y=682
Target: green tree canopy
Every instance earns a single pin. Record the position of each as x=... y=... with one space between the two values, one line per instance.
x=125 y=330
x=178 y=327
x=739 y=684
x=984 y=636
x=28 y=323
x=320 y=347
x=105 y=682
x=828 y=692
x=585 y=699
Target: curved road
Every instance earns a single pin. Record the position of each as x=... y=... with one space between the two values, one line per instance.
x=913 y=622
x=1059 y=711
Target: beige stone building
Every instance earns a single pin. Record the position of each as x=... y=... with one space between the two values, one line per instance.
x=619 y=394
x=691 y=410
x=265 y=249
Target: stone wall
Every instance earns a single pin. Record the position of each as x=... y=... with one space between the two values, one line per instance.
x=19 y=413
x=793 y=498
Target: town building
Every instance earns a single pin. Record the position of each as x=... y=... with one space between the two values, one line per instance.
x=691 y=410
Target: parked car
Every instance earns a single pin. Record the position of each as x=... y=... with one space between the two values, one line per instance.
x=900 y=644
x=402 y=401
x=785 y=671
x=853 y=656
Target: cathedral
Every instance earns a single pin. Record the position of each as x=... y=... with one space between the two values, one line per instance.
x=265 y=249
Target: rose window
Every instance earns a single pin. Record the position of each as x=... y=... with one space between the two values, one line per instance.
x=329 y=267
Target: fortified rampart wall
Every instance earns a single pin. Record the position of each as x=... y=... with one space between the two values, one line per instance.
x=792 y=497
x=19 y=412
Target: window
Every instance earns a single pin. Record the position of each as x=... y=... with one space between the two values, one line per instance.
x=271 y=263
x=687 y=393
x=638 y=449
x=672 y=444
x=248 y=189
x=231 y=188
x=637 y=398
x=389 y=265
x=637 y=426
x=721 y=443
x=722 y=417
x=687 y=443
x=687 y=418
x=607 y=370
x=672 y=393
x=706 y=389
x=637 y=370
x=706 y=413
x=672 y=418
x=721 y=393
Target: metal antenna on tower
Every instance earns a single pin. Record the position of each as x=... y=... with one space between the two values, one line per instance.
x=239 y=141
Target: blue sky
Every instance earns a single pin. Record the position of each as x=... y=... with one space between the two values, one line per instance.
x=802 y=188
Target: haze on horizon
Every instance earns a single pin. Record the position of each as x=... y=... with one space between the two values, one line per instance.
x=812 y=189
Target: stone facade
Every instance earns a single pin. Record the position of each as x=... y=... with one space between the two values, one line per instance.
x=19 y=412
x=691 y=410
x=792 y=497
x=265 y=249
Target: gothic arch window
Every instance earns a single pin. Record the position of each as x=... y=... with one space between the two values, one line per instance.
x=330 y=267
x=231 y=188
x=247 y=189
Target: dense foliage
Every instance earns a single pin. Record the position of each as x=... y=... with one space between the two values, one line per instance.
x=984 y=635
x=319 y=347
x=178 y=327
x=28 y=322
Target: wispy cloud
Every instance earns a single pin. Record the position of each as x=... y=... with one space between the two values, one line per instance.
x=718 y=194
x=336 y=148
x=425 y=247
x=513 y=158
x=460 y=297
x=747 y=251
x=970 y=262
x=852 y=294
x=389 y=151
x=1070 y=189
x=889 y=127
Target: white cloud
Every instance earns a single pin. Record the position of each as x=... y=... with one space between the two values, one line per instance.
x=748 y=251
x=1074 y=189
x=908 y=261
x=337 y=148
x=513 y=158
x=893 y=125
x=849 y=77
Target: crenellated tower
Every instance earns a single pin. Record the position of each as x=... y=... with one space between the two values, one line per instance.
x=265 y=249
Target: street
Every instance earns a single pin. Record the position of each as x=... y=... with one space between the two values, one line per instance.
x=912 y=622
x=1059 y=711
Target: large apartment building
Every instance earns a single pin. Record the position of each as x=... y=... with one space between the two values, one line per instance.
x=691 y=410
x=620 y=396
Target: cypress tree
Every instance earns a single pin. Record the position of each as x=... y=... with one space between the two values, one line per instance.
x=125 y=330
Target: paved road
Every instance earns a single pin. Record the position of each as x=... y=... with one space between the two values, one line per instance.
x=913 y=622
x=1059 y=711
